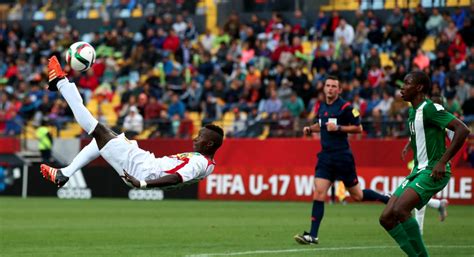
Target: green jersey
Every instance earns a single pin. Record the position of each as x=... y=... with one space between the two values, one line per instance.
x=427 y=123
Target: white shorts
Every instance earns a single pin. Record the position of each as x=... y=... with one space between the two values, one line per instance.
x=123 y=154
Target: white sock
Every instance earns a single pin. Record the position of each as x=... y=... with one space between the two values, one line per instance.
x=74 y=100
x=434 y=203
x=89 y=153
x=420 y=217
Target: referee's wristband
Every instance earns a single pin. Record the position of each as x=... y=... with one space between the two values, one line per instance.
x=143 y=184
x=339 y=128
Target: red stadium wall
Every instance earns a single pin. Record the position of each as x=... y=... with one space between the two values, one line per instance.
x=9 y=145
x=283 y=169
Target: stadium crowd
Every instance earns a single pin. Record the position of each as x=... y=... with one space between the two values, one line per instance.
x=264 y=71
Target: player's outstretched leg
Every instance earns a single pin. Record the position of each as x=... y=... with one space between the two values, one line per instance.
x=371 y=195
x=441 y=205
x=57 y=79
x=89 y=153
x=54 y=175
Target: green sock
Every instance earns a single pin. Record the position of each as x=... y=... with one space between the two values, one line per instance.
x=401 y=237
x=414 y=236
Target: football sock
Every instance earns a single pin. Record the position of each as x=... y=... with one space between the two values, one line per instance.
x=73 y=98
x=316 y=217
x=401 y=237
x=434 y=203
x=89 y=153
x=420 y=217
x=371 y=195
x=414 y=236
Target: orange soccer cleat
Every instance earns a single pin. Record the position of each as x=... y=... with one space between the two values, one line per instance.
x=55 y=73
x=54 y=175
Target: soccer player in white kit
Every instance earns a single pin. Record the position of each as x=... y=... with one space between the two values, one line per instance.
x=137 y=167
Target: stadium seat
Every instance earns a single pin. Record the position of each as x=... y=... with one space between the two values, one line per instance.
x=94 y=14
x=429 y=44
x=457 y=3
x=50 y=15
x=385 y=60
x=307 y=48
x=137 y=13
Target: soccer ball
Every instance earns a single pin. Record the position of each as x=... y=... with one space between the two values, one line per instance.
x=80 y=56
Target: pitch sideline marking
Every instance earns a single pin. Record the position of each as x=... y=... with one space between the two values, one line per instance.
x=317 y=249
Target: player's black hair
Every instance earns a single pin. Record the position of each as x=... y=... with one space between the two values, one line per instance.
x=215 y=128
x=420 y=78
x=217 y=139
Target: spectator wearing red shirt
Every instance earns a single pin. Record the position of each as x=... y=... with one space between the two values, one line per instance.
x=88 y=83
x=457 y=50
x=171 y=42
x=153 y=109
x=282 y=47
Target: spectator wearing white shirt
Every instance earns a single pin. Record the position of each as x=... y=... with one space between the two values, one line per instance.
x=345 y=31
x=133 y=123
x=179 y=26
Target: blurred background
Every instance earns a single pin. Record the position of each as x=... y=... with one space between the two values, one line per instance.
x=255 y=67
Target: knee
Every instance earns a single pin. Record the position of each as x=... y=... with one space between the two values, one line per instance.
x=387 y=220
x=319 y=195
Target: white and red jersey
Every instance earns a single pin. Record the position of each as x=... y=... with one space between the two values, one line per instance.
x=191 y=167
x=125 y=155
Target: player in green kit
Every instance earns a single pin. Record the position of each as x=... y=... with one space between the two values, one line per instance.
x=427 y=123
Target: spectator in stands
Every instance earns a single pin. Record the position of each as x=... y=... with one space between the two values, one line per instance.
x=452 y=105
x=14 y=125
x=435 y=22
x=295 y=105
x=462 y=90
x=467 y=32
x=211 y=109
x=451 y=30
x=360 y=39
x=344 y=31
x=395 y=18
x=380 y=113
x=421 y=60
x=133 y=123
x=272 y=104
x=176 y=107
x=153 y=110
x=458 y=17
x=468 y=107
x=457 y=51
x=88 y=83
x=186 y=127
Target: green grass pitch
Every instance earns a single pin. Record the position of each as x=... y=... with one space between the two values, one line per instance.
x=108 y=227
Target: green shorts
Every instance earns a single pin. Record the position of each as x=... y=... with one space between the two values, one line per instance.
x=423 y=184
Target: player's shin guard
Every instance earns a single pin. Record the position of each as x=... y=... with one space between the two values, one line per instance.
x=316 y=217
x=398 y=233
x=414 y=236
x=371 y=195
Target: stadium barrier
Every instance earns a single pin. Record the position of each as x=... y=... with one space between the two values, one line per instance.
x=248 y=169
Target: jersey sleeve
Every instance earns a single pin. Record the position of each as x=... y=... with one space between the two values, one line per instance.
x=436 y=114
x=350 y=116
